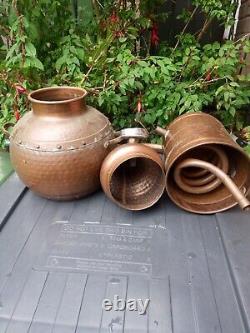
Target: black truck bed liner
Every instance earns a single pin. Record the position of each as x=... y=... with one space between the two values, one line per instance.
x=59 y=260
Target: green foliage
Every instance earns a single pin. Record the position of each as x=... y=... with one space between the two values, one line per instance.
x=107 y=48
x=222 y=10
x=194 y=79
x=247 y=149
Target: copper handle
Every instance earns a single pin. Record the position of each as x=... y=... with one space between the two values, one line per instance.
x=6 y=133
x=5 y=128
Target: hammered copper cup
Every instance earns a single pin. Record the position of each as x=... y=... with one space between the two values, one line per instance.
x=132 y=176
x=206 y=171
x=58 y=147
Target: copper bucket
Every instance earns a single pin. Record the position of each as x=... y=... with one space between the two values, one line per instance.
x=132 y=175
x=206 y=171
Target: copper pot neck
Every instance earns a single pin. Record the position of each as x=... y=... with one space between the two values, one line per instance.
x=58 y=101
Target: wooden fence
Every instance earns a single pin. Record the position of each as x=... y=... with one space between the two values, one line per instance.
x=243 y=28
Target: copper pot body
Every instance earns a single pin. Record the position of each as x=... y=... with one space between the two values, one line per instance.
x=133 y=176
x=57 y=148
x=199 y=136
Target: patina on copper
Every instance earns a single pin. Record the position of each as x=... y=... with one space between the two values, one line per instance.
x=132 y=175
x=57 y=148
x=206 y=171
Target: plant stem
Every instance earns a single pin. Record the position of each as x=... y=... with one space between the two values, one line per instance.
x=185 y=28
x=96 y=9
x=206 y=82
x=91 y=68
x=204 y=29
x=107 y=43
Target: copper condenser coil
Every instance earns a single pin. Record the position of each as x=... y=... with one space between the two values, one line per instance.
x=206 y=171
x=132 y=175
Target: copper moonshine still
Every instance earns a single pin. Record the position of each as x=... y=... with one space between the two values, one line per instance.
x=206 y=171
x=57 y=148
x=132 y=175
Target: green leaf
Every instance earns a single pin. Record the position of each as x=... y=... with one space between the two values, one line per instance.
x=139 y=85
x=182 y=109
x=100 y=100
x=80 y=53
x=62 y=60
x=131 y=81
x=234 y=84
x=187 y=103
x=143 y=63
x=12 y=17
x=33 y=32
x=37 y=64
x=221 y=52
x=30 y=49
x=232 y=111
x=226 y=96
x=122 y=39
x=27 y=63
x=109 y=60
x=11 y=51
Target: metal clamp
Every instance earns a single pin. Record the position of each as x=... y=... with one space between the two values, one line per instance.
x=136 y=134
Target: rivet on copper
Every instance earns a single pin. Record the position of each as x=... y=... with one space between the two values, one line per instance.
x=62 y=137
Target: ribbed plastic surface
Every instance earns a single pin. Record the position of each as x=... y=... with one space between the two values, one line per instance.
x=194 y=269
x=5 y=166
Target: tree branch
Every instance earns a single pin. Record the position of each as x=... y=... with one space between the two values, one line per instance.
x=204 y=29
x=185 y=28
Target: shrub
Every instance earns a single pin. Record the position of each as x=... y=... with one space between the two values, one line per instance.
x=113 y=50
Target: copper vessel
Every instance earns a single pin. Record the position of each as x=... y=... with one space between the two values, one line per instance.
x=206 y=171
x=57 y=148
x=132 y=175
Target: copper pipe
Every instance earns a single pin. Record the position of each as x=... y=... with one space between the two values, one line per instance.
x=156 y=147
x=202 y=137
x=225 y=179
x=203 y=183
x=162 y=131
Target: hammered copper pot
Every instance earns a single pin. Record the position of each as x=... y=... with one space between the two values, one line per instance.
x=206 y=171
x=58 y=147
x=132 y=175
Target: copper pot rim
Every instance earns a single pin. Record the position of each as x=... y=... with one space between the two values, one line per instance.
x=123 y=153
x=127 y=151
x=205 y=211
x=191 y=114
x=82 y=94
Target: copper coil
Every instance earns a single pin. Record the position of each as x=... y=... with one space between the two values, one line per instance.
x=197 y=176
x=206 y=171
x=201 y=180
